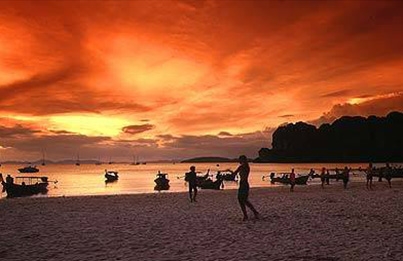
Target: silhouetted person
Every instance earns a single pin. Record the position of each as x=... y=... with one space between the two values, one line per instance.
x=292 y=180
x=327 y=177
x=388 y=174
x=9 y=179
x=346 y=177
x=243 y=191
x=337 y=172
x=191 y=178
x=381 y=174
x=369 y=176
x=323 y=177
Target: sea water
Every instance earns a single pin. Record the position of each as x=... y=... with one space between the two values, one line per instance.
x=88 y=179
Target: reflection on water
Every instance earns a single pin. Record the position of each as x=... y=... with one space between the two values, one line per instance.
x=89 y=179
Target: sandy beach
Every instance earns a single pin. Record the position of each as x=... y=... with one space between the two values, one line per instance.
x=309 y=224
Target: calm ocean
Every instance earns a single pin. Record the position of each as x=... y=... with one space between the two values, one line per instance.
x=88 y=179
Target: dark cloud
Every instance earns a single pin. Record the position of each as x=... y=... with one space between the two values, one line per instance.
x=376 y=106
x=28 y=144
x=225 y=146
x=35 y=83
x=150 y=142
x=59 y=92
x=286 y=116
x=16 y=131
x=136 y=129
x=225 y=133
x=336 y=94
x=61 y=132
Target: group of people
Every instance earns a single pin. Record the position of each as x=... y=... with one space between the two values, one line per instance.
x=383 y=172
x=344 y=175
x=243 y=191
x=243 y=171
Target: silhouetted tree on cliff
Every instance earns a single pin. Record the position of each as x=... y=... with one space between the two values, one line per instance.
x=348 y=139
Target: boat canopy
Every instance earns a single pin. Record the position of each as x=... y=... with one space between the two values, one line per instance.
x=33 y=178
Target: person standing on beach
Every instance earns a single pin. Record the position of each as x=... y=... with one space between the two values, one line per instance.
x=191 y=178
x=369 y=172
x=346 y=177
x=292 y=180
x=243 y=192
x=323 y=177
x=327 y=177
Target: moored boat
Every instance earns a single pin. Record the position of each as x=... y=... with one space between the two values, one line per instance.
x=28 y=169
x=24 y=186
x=161 y=182
x=227 y=175
x=284 y=179
x=210 y=184
x=111 y=175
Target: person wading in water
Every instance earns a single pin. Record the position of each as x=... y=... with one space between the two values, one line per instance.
x=191 y=178
x=243 y=191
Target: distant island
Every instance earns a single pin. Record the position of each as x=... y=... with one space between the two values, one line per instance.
x=208 y=159
x=348 y=139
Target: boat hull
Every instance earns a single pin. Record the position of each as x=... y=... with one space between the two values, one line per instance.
x=302 y=180
x=209 y=184
x=28 y=170
x=111 y=178
x=161 y=184
x=17 y=190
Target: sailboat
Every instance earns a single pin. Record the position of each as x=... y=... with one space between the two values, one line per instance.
x=110 y=160
x=135 y=162
x=78 y=160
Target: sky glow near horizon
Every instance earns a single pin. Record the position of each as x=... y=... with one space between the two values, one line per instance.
x=177 y=79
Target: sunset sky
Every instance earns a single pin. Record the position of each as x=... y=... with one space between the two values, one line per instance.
x=178 y=79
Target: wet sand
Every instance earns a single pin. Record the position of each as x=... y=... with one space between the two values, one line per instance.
x=309 y=224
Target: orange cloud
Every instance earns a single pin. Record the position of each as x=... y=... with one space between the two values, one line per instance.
x=194 y=68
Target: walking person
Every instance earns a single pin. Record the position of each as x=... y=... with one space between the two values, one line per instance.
x=243 y=192
x=292 y=180
x=191 y=178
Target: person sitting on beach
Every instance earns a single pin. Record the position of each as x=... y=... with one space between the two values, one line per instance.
x=369 y=175
x=243 y=192
x=191 y=178
x=292 y=180
x=323 y=177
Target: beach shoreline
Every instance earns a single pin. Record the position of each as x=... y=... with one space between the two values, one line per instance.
x=309 y=224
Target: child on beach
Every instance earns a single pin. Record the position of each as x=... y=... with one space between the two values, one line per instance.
x=243 y=191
